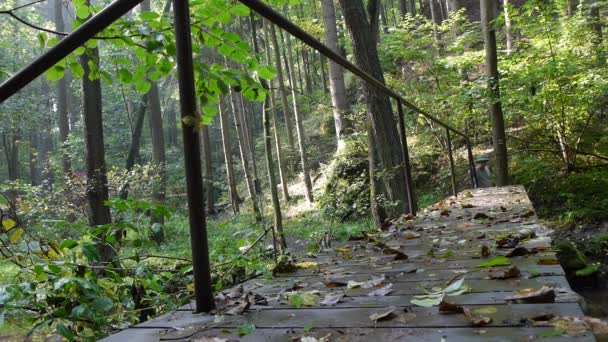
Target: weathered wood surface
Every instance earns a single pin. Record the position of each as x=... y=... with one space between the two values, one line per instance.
x=448 y=246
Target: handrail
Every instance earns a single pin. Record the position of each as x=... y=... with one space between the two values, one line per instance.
x=284 y=23
x=67 y=45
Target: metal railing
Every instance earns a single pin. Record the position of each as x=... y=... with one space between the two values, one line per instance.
x=279 y=20
x=118 y=8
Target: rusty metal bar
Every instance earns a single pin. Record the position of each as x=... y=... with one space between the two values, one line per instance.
x=67 y=45
x=406 y=160
x=471 y=165
x=192 y=159
x=284 y=23
x=451 y=156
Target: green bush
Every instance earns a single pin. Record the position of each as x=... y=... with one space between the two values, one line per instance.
x=346 y=193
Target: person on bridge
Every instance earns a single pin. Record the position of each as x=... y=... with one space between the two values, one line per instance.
x=485 y=179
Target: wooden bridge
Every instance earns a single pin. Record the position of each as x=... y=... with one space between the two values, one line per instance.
x=513 y=289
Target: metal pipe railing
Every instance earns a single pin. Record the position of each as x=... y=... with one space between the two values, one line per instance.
x=284 y=23
x=67 y=45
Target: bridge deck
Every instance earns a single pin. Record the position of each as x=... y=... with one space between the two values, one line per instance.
x=442 y=245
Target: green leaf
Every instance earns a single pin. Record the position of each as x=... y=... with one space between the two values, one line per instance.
x=66 y=332
x=148 y=16
x=588 y=270
x=76 y=69
x=125 y=76
x=267 y=72
x=69 y=244
x=8 y=224
x=55 y=73
x=552 y=333
x=240 y=10
x=16 y=235
x=90 y=252
x=246 y=329
x=103 y=304
x=82 y=12
x=498 y=261
x=42 y=39
x=143 y=86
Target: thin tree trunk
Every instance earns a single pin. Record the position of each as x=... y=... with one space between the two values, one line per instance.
x=488 y=12
x=336 y=74
x=62 y=100
x=33 y=158
x=274 y=195
x=234 y=197
x=299 y=128
x=322 y=62
x=596 y=27
x=97 y=182
x=245 y=153
x=508 y=36
x=433 y=21
x=387 y=142
x=277 y=138
x=123 y=193
x=383 y=19
x=158 y=148
x=11 y=151
x=283 y=91
x=402 y=7
x=172 y=129
x=208 y=170
x=378 y=213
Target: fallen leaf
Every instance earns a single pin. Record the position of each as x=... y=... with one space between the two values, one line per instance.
x=495 y=262
x=332 y=283
x=246 y=329
x=485 y=251
x=512 y=272
x=398 y=255
x=332 y=299
x=467 y=206
x=446 y=307
x=486 y=310
x=307 y=265
x=410 y=235
x=427 y=301
x=529 y=296
x=518 y=251
x=343 y=250
x=383 y=315
x=482 y=216
x=382 y=291
x=405 y=317
x=548 y=262
x=476 y=319
x=354 y=284
x=209 y=339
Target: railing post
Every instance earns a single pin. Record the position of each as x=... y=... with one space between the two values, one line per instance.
x=471 y=165
x=192 y=159
x=409 y=185
x=452 y=168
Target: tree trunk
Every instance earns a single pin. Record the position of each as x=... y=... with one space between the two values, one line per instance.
x=299 y=128
x=277 y=138
x=97 y=182
x=336 y=74
x=402 y=7
x=508 y=36
x=11 y=152
x=244 y=150
x=433 y=21
x=281 y=80
x=274 y=195
x=383 y=19
x=172 y=134
x=33 y=158
x=135 y=144
x=62 y=101
x=158 y=153
x=234 y=197
x=387 y=142
x=596 y=27
x=208 y=170
x=488 y=12
x=378 y=213
x=571 y=7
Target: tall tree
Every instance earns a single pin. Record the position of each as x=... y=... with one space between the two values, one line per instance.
x=508 y=34
x=386 y=138
x=208 y=170
x=227 y=145
x=336 y=74
x=488 y=14
x=276 y=205
x=402 y=7
x=288 y=57
x=62 y=100
x=158 y=145
x=281 y=83
x=97 y=181
x=133 y=154
x=273 y=112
